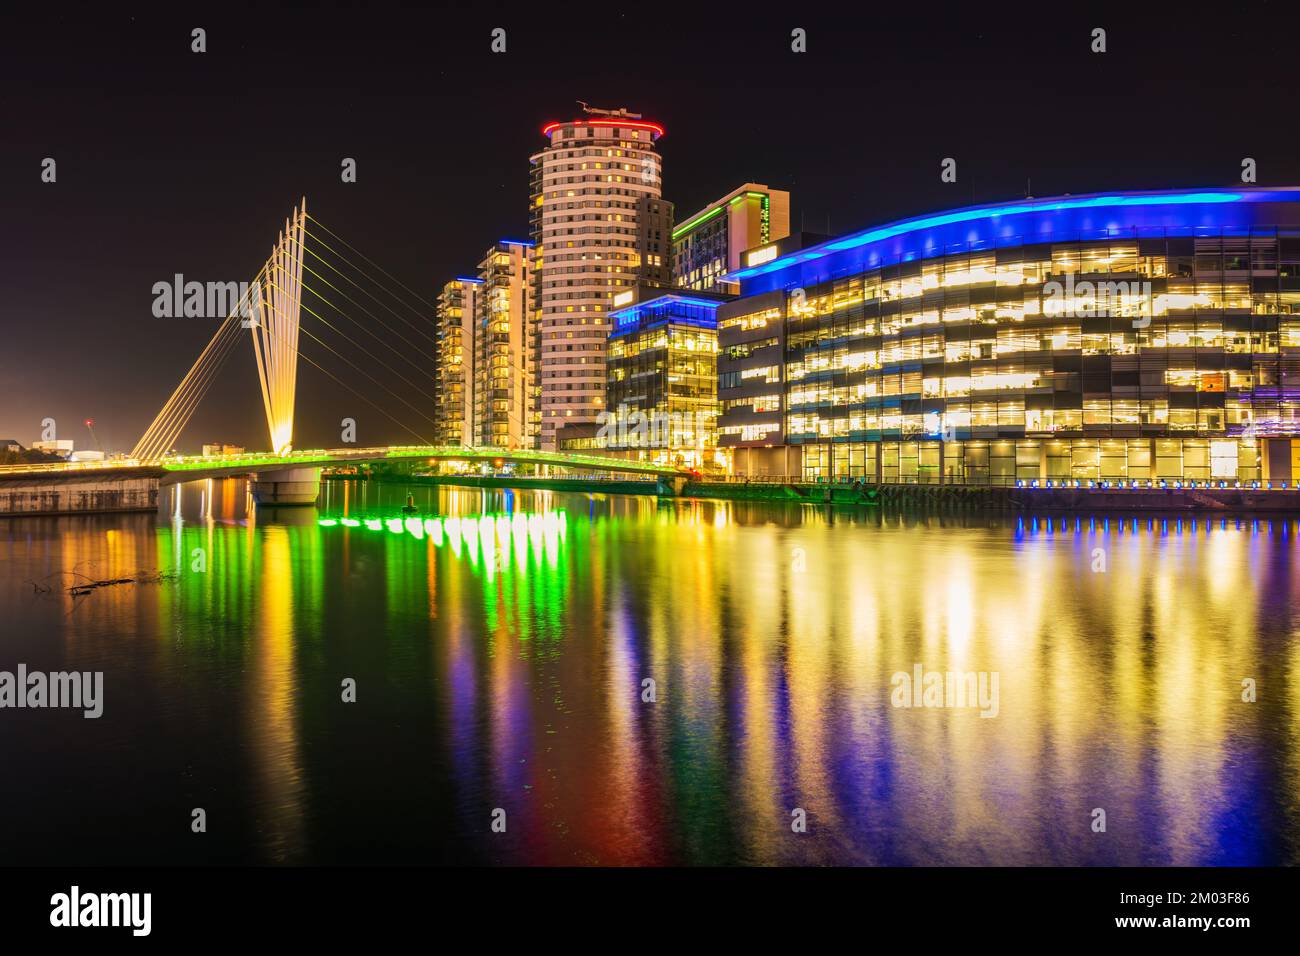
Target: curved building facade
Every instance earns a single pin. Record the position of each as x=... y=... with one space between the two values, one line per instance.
x=599 y=225
x=1125 y=336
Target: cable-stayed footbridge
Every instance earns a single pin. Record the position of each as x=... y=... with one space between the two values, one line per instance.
x=357 y=315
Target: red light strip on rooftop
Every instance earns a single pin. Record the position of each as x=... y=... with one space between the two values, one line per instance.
x=631 y=124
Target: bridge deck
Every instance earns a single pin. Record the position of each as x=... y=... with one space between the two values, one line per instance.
x=179 y=466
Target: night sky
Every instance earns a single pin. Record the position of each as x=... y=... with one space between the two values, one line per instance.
x=175 y=162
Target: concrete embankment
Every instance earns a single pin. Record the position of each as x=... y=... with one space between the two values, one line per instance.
x=86 y=493
x=1274 y=501
x=983 y=497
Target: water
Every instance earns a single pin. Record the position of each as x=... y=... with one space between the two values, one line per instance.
x=499 y=661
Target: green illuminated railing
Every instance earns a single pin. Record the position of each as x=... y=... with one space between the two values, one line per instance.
x=61 y=467
x=321 y=456
x=406 y=452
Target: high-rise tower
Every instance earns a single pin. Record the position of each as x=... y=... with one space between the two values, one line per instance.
x=454 y=410
x=503 y=348
x=599 y=225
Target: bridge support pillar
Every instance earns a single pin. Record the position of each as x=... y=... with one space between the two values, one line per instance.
x=671 y=486
x=288 y=486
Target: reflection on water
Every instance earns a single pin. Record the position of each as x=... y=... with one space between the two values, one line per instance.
x=503 y=644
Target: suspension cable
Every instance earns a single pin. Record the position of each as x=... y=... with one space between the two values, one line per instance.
x=167 y=436
x=362 y=325
x=322 y=342
x=417 y=295
x=354 y=344
x=424 y=316
x=306 y=358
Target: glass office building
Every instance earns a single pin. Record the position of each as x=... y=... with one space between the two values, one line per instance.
x=662 y=380
x=1126 y=336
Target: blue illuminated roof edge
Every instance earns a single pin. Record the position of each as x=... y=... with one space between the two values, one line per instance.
x=1169 y=200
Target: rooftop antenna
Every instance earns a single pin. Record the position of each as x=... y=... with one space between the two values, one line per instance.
x=622 y=111
x=1029 y=187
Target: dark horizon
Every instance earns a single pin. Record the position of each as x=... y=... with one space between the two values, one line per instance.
x=175 y=162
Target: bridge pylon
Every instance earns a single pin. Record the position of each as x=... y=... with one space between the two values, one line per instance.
x=271 y=308
x=277 y=311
